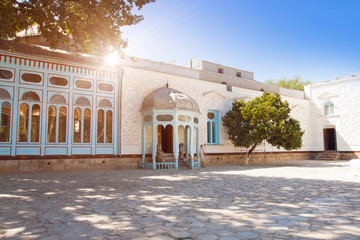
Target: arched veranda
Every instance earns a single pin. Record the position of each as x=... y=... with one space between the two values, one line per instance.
x=170 y=130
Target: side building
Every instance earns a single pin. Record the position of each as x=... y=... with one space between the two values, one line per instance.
x=336 y=116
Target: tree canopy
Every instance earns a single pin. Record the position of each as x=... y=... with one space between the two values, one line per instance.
x=90 y=26
x=264 y=118
x=294 y=83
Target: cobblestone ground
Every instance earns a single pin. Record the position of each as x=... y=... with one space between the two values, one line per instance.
x=292 y=200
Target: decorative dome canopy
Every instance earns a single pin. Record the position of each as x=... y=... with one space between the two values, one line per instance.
x=168 y=98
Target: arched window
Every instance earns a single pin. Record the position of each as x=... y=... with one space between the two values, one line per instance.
x=5 y=121
x=29 y=118
x=4 y=94
x=213 y=127
x=82 y=121
x=104 y=122
x=57 y=98
x=57 y=122
x=30 y=96
x=83 y=101
x=329 y=108
x=105 y=103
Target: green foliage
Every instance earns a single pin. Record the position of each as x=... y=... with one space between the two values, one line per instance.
x=264 y=118
x=92 y=26
x=295 y=83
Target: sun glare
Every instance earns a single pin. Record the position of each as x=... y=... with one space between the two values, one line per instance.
x=112 y=58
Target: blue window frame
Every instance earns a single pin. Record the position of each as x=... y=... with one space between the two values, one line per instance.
x=328 y=108
x=213 y=127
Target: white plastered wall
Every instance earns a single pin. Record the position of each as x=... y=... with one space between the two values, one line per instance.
x=138 y=83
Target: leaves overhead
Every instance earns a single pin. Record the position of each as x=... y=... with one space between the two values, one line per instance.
x=88 y=26
x=295 y=83
x=264 y=118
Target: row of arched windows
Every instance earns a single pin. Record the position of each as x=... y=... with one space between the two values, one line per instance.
x=29 y=123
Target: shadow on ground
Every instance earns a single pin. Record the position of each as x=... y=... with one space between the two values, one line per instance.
x=236 y=202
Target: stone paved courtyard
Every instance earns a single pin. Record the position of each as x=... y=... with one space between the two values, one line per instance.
x=291 y=200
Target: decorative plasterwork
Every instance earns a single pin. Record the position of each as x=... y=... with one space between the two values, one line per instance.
x=327 y=95
x=213 y=92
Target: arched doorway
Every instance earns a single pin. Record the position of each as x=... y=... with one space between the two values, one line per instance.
x=165 y=138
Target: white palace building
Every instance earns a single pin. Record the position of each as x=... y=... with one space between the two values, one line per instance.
x=62 y=111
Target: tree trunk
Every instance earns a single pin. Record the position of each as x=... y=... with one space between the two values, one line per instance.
x=249 y=153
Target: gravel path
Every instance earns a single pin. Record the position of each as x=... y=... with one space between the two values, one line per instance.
x=291 y=200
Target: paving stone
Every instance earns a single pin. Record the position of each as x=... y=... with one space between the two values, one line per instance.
x=180 y=234
x=207 y=237
x=247 y=235
x=161 y=237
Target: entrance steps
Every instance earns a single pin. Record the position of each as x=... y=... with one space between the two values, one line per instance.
x=328 y=156
x=169 y=157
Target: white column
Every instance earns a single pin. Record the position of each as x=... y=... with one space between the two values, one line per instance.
x=176 y=143
x=154 y=143
x=143 y=144
x=197 y=146
x=191 y=147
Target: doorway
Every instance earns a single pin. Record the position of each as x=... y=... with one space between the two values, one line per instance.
x=329 y=139
x=165 y=138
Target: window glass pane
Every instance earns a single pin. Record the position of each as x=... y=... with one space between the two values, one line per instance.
x=332 y=109
x=30 y=77
x=109 y=126
x=83 y=101
x=211 y=115
x=30 y=96
x=87 y=125
x=77 y=125
x=208 y=132
x=213 y=133
x=184 y=118
x=23 y=122
x=51 y=124
x=164 y=117
x=60 y=81
x=105 y=103
x=57 y=98
x=106 y=87
x=83 y=84
x=35 y=123
x=4 y=93
x=148 y=118
x=100 y=126
x=5 y=122
x=62 y=125
x=5 y=74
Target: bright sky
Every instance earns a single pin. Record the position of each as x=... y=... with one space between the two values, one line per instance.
x=316 y=39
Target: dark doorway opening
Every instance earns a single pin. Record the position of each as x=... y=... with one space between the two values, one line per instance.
x=329 y=139
x=165 y=138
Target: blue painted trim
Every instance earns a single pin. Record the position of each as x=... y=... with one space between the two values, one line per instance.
x=213 y=128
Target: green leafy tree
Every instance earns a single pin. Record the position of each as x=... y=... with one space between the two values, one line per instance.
x=264 y=118
x=88 y=26
x=294 y=83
